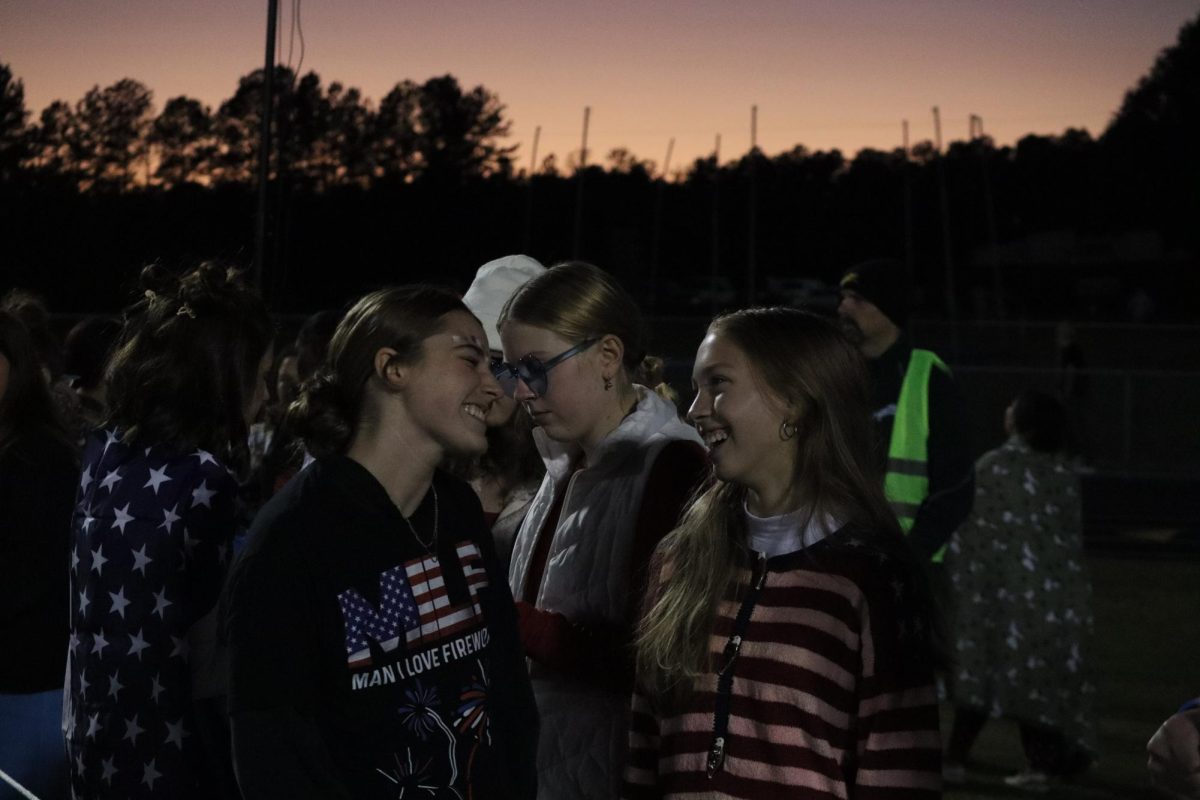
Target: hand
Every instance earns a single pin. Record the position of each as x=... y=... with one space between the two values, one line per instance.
x=1174 y=755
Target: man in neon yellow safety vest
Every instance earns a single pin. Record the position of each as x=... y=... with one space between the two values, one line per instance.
x=920 y=419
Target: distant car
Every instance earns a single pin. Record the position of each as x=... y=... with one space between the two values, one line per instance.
x=803 y=292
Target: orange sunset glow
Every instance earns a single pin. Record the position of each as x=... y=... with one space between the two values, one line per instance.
x=822 y=74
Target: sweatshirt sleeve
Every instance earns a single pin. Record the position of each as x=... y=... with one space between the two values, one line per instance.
x=951 y=468
x=515 y=714
x=899 y=745
x=277 y=747
x=278 y=753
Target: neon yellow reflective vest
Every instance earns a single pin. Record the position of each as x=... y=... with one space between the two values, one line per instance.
x=907 y=481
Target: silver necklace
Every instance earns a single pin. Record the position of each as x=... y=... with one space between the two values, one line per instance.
x=431 y=546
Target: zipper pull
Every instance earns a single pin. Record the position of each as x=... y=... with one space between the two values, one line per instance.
x=716 y=756
x=762 y=570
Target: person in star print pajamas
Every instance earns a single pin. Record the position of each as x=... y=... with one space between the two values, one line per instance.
x=152 y=533
x=1022 y=621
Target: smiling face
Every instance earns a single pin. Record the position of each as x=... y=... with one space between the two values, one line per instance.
x=575 y=404
x=450 y=391
x=739 y=421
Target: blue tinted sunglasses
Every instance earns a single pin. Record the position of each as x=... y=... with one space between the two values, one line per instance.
x=533 y=371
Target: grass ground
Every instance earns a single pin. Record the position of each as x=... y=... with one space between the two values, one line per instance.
x=1145 y=663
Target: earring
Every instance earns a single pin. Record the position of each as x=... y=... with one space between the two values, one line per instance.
x=608 y=384
x=786 y=430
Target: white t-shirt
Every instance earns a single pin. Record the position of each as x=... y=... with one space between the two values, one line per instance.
x=782 y=534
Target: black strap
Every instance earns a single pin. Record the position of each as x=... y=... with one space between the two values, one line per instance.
x=716 y=753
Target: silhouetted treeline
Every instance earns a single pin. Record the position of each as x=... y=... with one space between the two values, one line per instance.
x=421 y=186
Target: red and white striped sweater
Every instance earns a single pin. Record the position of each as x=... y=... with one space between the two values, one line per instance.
x=830 y=694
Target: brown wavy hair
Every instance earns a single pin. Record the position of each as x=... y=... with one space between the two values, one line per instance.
x=187 y=363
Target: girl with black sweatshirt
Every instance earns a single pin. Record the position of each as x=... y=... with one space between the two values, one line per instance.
x=372 y=634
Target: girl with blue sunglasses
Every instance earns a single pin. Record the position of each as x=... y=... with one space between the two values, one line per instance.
x=620 y=467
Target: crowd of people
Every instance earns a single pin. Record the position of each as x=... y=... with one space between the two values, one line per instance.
x=473 y=547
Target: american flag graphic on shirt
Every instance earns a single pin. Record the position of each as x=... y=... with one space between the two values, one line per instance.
x=414 y=604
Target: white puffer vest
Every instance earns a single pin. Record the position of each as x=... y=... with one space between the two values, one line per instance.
x=584 y=729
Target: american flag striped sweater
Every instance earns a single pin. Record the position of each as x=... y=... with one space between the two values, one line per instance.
x=822 y=687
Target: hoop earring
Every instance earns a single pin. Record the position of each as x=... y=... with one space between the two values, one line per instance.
x=786 y=430
x=608 y=384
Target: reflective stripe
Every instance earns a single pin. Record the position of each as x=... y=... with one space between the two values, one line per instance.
x=905 y=509
x=906 y=466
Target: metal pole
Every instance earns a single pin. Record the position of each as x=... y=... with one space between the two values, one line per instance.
x=537 y=134
x=715 y=267
x=528 y=238
x=264 y=147
x=752 y=237
x=587 y=113
x=947 y=250
x=656 y=236
x=909 y=265
x=990 y=210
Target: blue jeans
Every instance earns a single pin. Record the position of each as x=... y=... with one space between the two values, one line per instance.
x=32 y=750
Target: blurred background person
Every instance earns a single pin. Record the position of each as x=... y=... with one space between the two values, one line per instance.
x=153 y=530
x=507 y=476
x=38 y=477
x=86 y=354
x=922 y=438
x=31 y=309
x=280 y=455
x=1022 y=612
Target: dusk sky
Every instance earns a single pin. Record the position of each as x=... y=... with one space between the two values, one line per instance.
x=823 y=74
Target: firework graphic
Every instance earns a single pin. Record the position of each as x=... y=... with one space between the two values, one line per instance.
x=411 y=779
x=471 y=716
x=418 y=712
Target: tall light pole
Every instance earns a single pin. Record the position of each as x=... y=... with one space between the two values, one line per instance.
x=947 y=249
x=909 y=265
x=264 y=148
x=752 y=222
x=587 y=114
x=528 y=238
x=656 y=237
x=980 y=142
x=715 y=266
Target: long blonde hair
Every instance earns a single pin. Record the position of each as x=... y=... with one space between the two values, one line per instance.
x=802 y=359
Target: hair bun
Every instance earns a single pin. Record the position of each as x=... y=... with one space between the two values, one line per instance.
x=156 y=280
x=321 y=415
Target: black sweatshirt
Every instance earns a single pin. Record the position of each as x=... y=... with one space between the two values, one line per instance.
x=951 y=467
x=361 y=664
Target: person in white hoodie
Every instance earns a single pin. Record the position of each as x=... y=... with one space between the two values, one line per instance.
x=507 y=476
x=620 y=468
